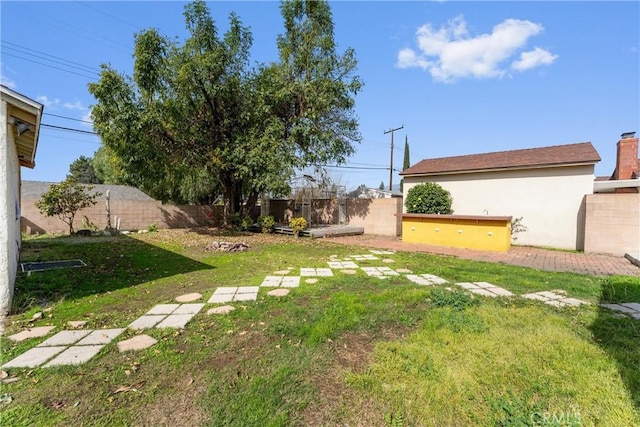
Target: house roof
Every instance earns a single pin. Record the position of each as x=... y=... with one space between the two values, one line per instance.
x=27 y=113
x=559 y=155
x=33 y=190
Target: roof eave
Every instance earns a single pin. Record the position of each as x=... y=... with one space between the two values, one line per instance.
x=468 y=171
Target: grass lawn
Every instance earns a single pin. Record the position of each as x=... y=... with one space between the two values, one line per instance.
x=347 y=350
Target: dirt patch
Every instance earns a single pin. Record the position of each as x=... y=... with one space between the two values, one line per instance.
x=179 y=408
x=337 y=404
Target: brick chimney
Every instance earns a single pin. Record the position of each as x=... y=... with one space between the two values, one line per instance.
x=627 y=159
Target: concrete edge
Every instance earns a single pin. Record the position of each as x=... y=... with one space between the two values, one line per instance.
x=633 y=258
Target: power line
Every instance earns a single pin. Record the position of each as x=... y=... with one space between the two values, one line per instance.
x=68 y=129
x=49 y=65
x=68 y=118
x=109 y=15
x=43 y=55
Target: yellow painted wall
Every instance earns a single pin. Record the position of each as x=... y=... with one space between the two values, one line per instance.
x=460 y=231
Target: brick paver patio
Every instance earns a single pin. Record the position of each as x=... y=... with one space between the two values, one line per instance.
x=525 y=256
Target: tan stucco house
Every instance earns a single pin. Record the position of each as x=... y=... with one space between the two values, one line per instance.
x=545 y=186
x=20 y=119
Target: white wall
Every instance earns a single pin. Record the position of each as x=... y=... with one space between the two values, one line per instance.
x=550 y=200
x=9 y=212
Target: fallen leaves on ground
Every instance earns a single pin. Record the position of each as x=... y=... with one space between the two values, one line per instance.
x=125 y=388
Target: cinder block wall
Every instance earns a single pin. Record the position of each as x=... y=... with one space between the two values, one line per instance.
x=377 y=216
x=133 y=215
x=612 y=223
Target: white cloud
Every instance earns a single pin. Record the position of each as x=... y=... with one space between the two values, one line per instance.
x=7 y=81
x=533 y=58
x=86 y=117
x=44 y=100
x=450 y=53
x=74 y=106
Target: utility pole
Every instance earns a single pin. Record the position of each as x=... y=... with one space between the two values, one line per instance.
x=391 y=165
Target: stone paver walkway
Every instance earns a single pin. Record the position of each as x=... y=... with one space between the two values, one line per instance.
x=284 y=281
x=525 y=256
x=65 y=348
x=380 y=272
x=365 y=257
x=485 y=288
x=631 y=309
x=313 y=272
x=426 y=279
x=342 y=264
x=554 y=299
x=167 y=316
x=229 y=294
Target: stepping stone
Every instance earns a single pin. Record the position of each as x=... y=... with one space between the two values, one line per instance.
x=225 y=309
x=280 y=292
x=535 y=296
x=37 y=332
x=291 y=282
x=188 y=309
x=75 y=355
x=380 y=252
x=388 y=260
x=163 y=309
x=351 y=272
x=618 y=307
x=223 y=294
x=636 y=315
x=483 y=292
x=307 y=272
x=549 y=295
x=633 y=305
x=34 y=357
x=77 y=324
x=226 y=290
x=139 y=342
x=342 y=264
x=248 y=290
x=404 y=271
x=311 y=281
x=246 y=297
x=366 y=257
x=324 y=272
x=500 y=292
x=101 y=336
x=467 y=285
x=573 y=302
x=189 y=297
x=281 y=272
x=272 y=281
x=65 y=338
x=426 y=279
x=144 y=322
x=178 y=321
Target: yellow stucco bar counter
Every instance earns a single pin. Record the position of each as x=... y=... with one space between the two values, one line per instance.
x=491 y=233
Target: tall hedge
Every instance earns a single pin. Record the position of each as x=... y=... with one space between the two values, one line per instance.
x=428 y=198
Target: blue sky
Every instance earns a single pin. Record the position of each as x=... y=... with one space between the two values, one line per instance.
x=462 y=77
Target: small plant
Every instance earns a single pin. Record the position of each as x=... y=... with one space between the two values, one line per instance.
x=517 y=227
x=428 y=198
x=240 y=221
x=266 y=223
x=153 y=228
x=297 y=225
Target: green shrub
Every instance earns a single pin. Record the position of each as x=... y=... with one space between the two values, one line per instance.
x=241 y=222
x=428 y=198
x=297 y=225
x=152 y=228
x=266 y=223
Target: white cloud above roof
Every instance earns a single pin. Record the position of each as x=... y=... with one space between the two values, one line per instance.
x=451 y=53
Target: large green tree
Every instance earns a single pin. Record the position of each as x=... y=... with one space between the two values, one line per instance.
x=83 y=172
x=197 y=112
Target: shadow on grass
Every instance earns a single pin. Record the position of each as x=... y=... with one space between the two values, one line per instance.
x=112 y=263
x=619 y=335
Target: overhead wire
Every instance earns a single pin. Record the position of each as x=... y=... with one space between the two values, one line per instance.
x=43 y=55
x=68 y=118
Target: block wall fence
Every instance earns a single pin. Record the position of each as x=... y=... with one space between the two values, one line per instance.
x=377 y=216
